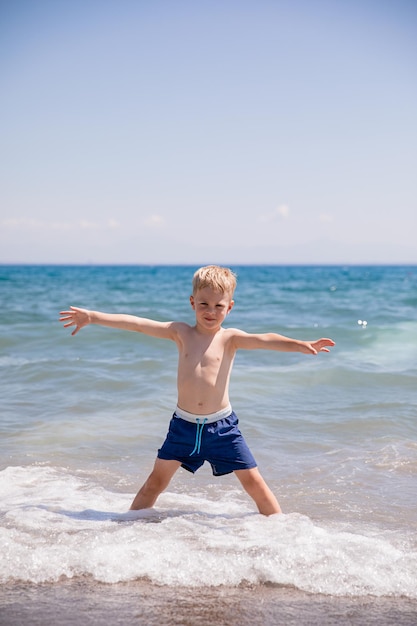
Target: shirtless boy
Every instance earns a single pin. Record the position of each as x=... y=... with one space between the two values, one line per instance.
x=204 y=426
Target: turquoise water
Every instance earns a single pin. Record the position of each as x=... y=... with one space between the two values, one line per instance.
x=335 y=435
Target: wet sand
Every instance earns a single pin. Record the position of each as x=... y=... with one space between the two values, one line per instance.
x=87 y=603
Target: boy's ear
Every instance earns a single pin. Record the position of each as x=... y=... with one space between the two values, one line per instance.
x=231 y=304
x=192 y=302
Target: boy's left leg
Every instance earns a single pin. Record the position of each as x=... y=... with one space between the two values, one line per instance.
x=256 y=487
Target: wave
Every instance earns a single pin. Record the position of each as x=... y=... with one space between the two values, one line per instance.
x=49 y=531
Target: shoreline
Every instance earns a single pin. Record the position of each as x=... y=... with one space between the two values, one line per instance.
x=84 y=601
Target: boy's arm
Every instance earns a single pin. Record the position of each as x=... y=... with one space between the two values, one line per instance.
x=273 y=341
x=82 y=317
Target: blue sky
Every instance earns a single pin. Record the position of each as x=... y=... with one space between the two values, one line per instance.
x=208 y=131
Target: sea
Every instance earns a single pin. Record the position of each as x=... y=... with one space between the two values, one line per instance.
x=334 y=435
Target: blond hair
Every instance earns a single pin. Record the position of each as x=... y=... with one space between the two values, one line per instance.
x=220 y=279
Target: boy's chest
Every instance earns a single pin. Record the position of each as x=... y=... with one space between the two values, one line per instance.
x=208 y=354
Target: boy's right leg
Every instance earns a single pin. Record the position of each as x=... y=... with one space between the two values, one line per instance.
x=157 y=481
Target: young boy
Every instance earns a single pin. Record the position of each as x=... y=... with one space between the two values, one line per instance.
x=204 y=426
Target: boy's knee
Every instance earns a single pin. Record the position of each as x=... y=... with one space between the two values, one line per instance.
x=250 y=479
x=154 y=483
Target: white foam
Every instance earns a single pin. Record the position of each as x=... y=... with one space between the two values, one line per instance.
x=56 y=524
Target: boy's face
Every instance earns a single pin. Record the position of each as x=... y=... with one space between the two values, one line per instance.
x=211 y=307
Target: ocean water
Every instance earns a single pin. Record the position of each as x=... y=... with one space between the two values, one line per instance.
x=335 y=436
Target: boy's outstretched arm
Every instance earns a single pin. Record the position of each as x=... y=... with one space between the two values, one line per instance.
x=82 y=317
x=273 y=341
x=313 y=347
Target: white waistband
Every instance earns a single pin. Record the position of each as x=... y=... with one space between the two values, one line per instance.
x=211 y=417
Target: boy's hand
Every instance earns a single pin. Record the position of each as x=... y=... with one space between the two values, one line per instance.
x=319 y=346
x=75 y=317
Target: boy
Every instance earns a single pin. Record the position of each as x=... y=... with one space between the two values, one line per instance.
x=204 y=426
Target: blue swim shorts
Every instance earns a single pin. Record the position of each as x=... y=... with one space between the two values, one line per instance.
x=220 y=443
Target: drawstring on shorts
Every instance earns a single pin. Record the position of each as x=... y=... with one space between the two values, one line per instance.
x=198 y=435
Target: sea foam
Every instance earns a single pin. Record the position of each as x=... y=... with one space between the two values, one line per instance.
x=49 y=531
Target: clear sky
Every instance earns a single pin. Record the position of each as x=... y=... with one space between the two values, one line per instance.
x=208 y=131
